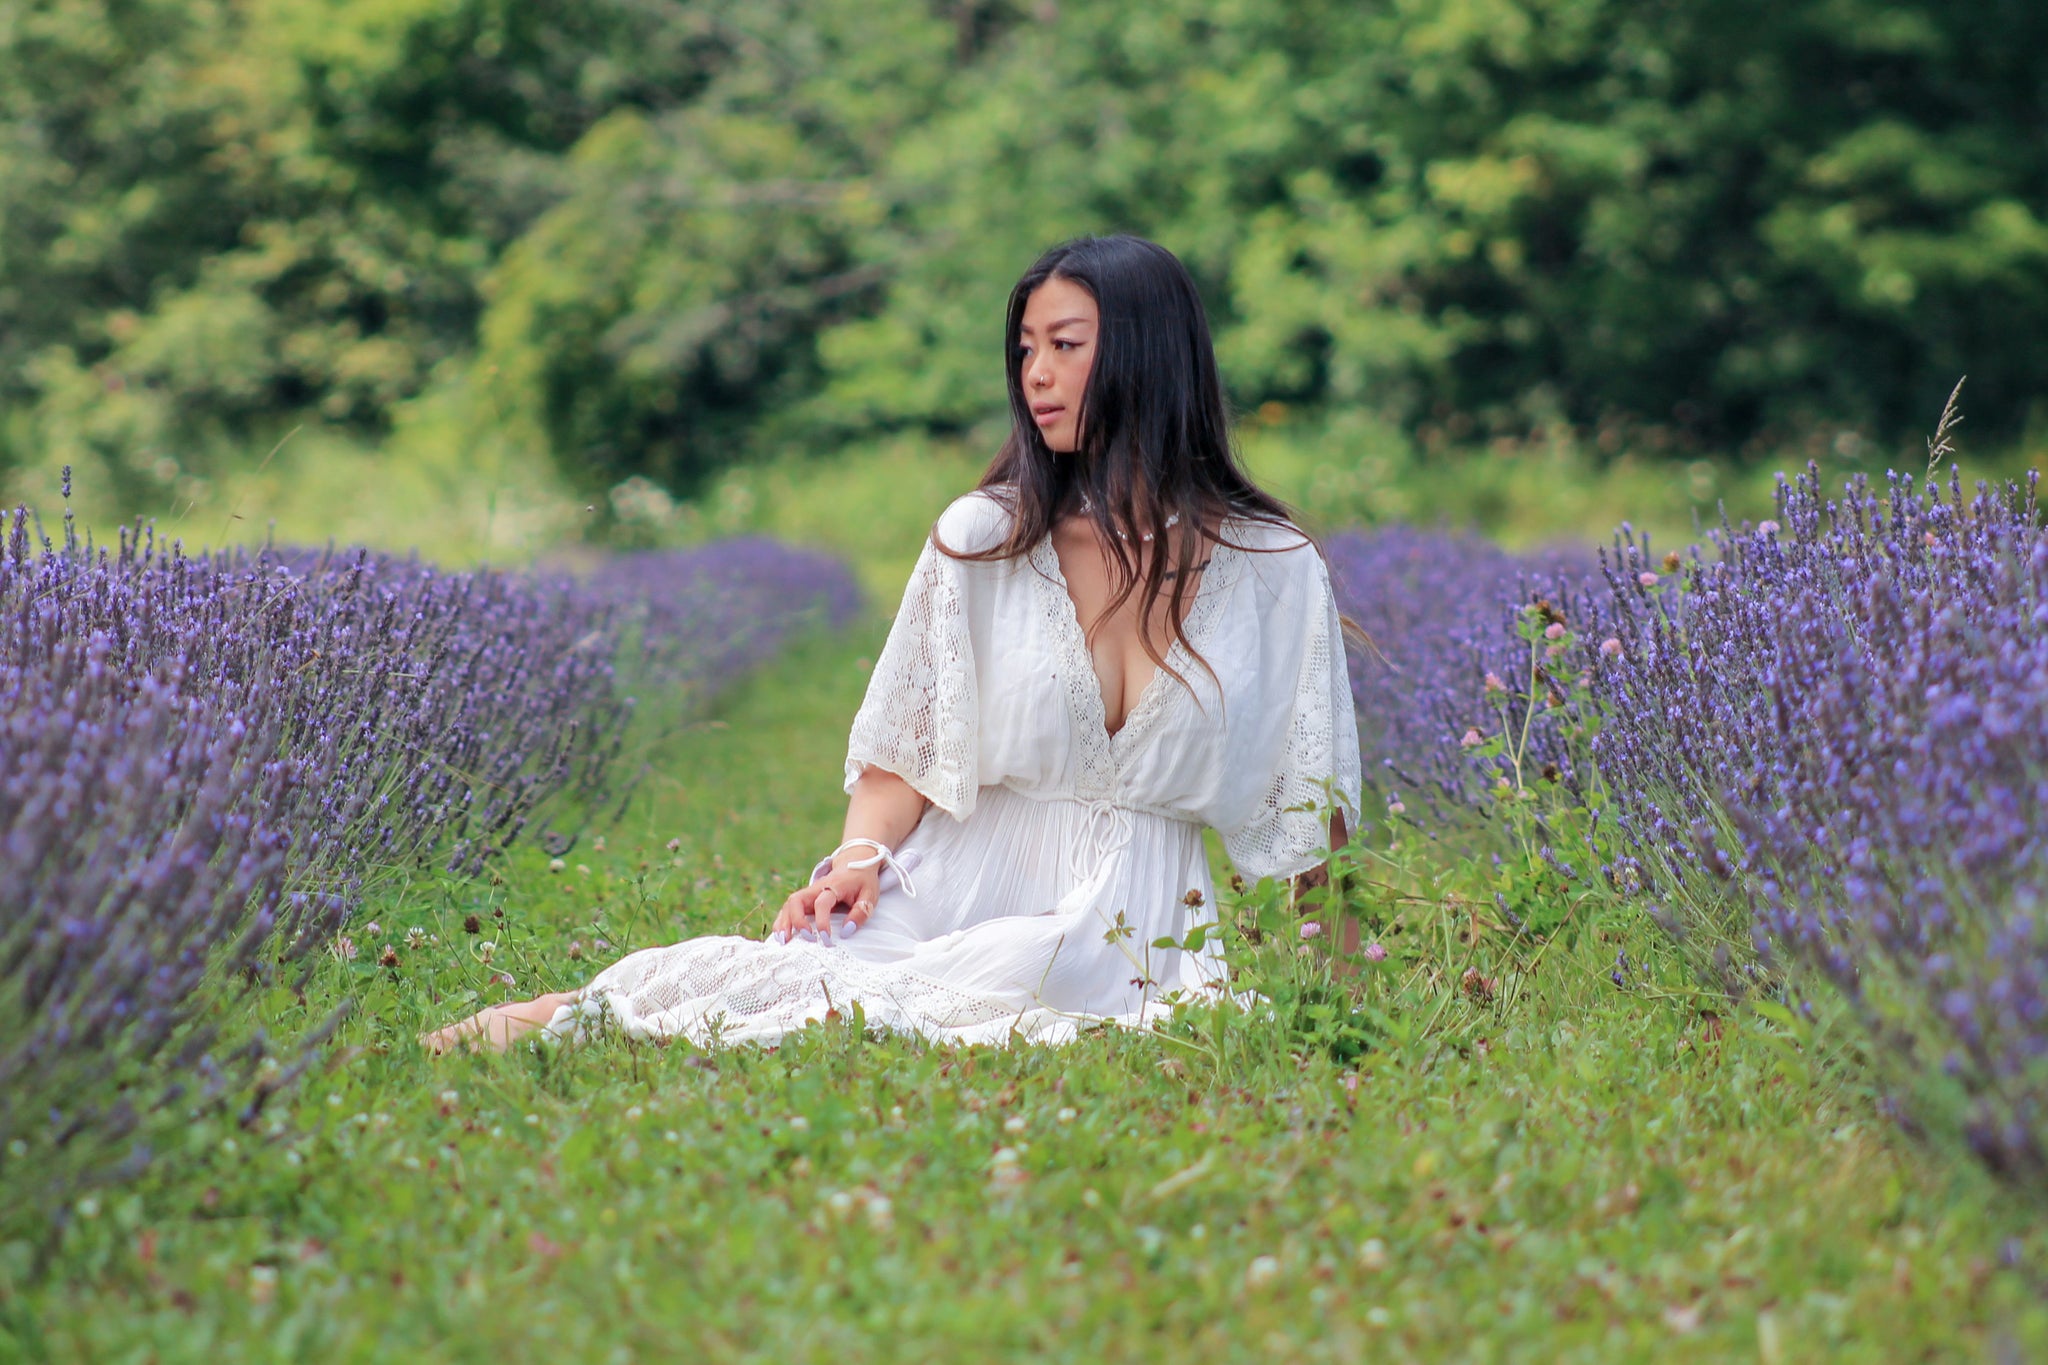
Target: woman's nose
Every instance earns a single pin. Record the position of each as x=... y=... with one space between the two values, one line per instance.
x=1037 y=374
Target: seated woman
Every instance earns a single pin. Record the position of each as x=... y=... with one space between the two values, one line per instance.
x=1115 y=641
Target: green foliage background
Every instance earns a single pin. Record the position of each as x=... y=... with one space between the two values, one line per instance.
x=657 y=238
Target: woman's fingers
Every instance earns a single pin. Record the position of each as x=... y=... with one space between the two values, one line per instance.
x=810 y=910
x=792 y=915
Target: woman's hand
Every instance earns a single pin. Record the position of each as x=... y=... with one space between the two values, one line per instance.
x=842 y=888
x=884 y=809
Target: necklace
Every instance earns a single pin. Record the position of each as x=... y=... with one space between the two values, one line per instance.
x=1172 y=520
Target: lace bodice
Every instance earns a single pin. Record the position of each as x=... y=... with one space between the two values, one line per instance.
x=986 y=679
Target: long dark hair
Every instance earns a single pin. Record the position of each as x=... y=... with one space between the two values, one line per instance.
x=1154 y=433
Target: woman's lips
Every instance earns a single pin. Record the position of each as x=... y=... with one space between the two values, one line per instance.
x=1046 y=413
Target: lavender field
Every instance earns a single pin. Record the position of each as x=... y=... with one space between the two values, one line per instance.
x=210 y=763
x=1813 y=752
x=1699 y=1013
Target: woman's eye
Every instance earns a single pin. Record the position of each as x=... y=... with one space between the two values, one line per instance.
x=1064 y=344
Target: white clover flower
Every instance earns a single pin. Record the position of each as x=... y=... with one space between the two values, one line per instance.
x=1004 y=1170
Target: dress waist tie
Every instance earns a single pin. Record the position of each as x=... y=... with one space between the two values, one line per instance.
x=1106 y=830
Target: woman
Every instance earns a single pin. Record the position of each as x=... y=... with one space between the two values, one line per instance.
x=1115 y=641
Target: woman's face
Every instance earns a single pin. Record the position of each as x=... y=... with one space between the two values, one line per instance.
x=1056 y=349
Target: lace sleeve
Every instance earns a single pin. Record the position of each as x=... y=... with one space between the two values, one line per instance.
x=919 y=718
x=1286 y=832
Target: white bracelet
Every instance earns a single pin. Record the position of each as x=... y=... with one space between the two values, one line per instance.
x=884 y=857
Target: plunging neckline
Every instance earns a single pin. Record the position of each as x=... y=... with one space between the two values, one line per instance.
x=1095 y=709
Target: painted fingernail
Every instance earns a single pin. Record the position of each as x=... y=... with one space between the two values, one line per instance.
x=851 y=928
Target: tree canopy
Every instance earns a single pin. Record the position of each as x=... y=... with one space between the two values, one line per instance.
x=665 y=234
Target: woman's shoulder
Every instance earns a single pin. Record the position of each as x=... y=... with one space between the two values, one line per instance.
x=1281 y=552
x=1267 y=535
x=975 y=522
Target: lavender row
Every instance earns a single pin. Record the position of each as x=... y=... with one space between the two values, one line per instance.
x=695 y=618
x=1445 y=662
x=1816 y=750
x=204 y=759
x=1838 y=725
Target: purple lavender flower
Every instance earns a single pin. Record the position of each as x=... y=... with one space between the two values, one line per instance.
x=1833 y=742
x=1446 y=659
x=204 y=760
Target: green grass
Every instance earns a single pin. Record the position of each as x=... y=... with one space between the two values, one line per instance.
x=455 y=481
x=1581 y=1174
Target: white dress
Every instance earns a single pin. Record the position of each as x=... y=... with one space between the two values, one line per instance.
x=1053 y=854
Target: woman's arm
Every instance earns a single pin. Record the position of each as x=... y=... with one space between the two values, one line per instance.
x=884 y=808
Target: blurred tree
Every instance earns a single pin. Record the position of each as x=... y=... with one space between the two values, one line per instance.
x=662 y=318
x=667 y=233
x=1715 y=217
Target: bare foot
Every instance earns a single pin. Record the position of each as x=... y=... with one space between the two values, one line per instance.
x=493 y=1028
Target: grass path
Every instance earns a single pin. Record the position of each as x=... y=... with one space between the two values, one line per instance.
x=1605 y=1178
